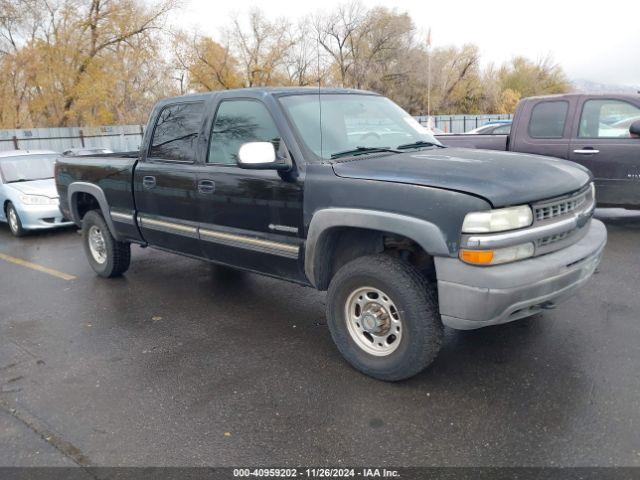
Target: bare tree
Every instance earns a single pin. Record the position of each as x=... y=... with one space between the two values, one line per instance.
x=261 y=48
x=337 y=33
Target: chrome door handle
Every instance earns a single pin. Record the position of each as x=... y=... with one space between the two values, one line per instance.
x=148 y=181
x=586 y=151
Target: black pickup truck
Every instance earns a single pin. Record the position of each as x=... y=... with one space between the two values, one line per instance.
x=342 y=190
x=599 y=131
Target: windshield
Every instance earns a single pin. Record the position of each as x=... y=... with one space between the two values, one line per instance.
x=352 y=122
x=24 y=168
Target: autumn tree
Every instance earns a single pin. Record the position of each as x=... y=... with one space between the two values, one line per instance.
x=68 y=53
x=91 y=62
x=529 y=78
x=204 y=64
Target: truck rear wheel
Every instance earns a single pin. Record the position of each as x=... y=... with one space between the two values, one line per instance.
x=107 y=256
x=383 y=317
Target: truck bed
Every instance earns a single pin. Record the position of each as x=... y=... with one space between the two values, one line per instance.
x=112 y=172
x=482 y=142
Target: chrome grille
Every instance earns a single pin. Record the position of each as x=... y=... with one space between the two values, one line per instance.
x=561 y=207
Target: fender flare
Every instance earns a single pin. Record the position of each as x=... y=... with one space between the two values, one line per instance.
x=424 y=233
x=98 y=193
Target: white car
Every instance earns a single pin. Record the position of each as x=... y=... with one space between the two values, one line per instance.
x=28 y=192
x=78 y=152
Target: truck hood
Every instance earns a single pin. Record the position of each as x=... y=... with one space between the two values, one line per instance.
x=45 y=187
x=502 y=178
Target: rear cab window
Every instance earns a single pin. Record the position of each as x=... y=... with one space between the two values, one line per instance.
x=548 y=119
x=175 y=134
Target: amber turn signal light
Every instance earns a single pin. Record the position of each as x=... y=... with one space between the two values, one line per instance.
x=477 y=257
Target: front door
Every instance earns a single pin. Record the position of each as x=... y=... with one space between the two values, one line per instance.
x=603 y=144
x=165 y=181
x=249 y=218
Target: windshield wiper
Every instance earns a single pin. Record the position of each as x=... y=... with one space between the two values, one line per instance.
x=363 y=151
x=418 y=144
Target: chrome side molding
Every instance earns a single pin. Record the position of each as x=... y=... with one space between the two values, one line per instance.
x=221 y=237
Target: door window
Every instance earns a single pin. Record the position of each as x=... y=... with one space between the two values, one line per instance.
x=607 y=119
x=548 y=119
x=238 y=122
x=176 y=132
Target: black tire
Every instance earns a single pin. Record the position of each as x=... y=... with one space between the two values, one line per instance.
x=118 y=254
x=416 y=303
x=16 y=228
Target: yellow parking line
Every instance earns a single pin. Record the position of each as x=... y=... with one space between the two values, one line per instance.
x=35 y=266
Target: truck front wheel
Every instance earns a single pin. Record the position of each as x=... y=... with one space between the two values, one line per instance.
x=107 y=256
x=383 y=317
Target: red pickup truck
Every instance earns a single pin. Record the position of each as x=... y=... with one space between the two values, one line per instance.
x=599 y=131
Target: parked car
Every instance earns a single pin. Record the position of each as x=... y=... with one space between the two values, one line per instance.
x=27 y=191
x=407 y=236
x=498 y=128
x=77 y=152
x=578 y=127
x=623 y=127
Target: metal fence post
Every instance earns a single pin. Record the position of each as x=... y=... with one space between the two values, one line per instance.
x=82 y=138
x=15 y=142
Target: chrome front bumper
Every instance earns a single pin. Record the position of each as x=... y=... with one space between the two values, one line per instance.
x=473 y=297
x=37 y=217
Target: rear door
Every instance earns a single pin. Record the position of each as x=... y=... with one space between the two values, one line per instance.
x=544 y=127
x=249 y=218
x=165 y=180
x=601 y=141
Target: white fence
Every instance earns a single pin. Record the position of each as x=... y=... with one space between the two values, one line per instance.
x=462 y=123
x=125 y=138
x=119 y=138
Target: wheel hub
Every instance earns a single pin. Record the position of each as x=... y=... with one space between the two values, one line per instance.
x=97 y=245
x=373 y=321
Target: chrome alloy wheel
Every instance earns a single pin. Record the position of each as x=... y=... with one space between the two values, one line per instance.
x=373 y=321
x=13 y=219
x=97 y=245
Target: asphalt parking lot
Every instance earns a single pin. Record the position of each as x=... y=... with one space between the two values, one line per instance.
x=179 y=363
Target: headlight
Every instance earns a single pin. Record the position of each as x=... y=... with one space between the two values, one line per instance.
x=38 y=200
x=498 y=255
x=498 y=220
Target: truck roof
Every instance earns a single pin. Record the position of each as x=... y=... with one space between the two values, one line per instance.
x=276 y=91
x=589 y=94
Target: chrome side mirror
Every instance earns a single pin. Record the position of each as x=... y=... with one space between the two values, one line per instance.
x=260 y=156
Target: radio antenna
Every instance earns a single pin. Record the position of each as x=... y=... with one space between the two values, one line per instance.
x=319 y=92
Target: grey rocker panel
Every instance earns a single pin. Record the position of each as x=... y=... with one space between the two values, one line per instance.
x=426 y=234
x=91 y=189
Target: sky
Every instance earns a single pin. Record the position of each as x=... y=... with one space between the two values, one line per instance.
x=590 y=41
